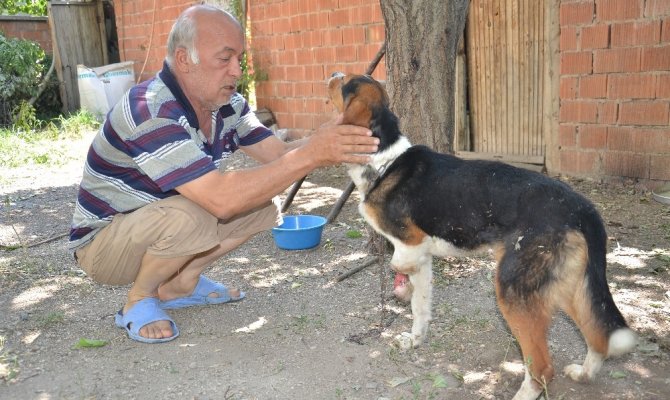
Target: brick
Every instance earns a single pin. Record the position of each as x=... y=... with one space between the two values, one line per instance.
x=665 y=31
x=592 y=137
x=645 y=113
x=626 y=164
x=347 y=53
x=656 y=8
x=620 y=138
x=656 y=58
x=639 y=140
x=576 y=13
x=376 y=33
x=608 y=112
x=636 y=33
x=579 y=162
x=354 y=34
x=659 y=167
x=595 y=37
x=614 y=10
x=568 y=87
x=568 y=38
x=576 y=63
x=567 y=135
x=632 y=86
x=663 y=88
x=617 y=60
x=578 y=111
x=593 y=86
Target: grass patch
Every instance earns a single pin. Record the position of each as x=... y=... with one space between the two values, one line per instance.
x=47 y=145
x=51 y=319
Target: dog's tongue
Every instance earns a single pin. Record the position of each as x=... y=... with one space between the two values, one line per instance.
x=400 y=280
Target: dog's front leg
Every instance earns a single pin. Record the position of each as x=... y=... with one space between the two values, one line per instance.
x=422 y=299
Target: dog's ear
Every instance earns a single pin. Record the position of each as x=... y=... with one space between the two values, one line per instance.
x=356 y=111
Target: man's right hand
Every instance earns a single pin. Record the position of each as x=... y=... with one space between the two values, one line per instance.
x=333 y=144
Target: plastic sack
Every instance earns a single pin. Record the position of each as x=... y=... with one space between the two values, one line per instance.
x=100 y=88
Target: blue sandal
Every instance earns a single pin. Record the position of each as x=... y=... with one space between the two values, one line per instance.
x=140 y=314
x=200 y=295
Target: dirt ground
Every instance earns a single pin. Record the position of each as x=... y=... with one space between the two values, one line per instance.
x=299 y=334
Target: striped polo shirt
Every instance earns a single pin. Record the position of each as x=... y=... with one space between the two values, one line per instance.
x=149 y=144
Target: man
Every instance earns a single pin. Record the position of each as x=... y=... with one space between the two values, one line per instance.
x=153 y=207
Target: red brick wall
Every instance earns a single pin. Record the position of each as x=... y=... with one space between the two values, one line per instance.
x=31 y=28
x=299 y=43
x=614 y=79
x=142 y=27
x=615 y=88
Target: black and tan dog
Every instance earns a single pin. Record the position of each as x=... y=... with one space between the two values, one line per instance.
x=549 y=242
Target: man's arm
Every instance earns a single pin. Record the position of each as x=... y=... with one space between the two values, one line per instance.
x=231 y=193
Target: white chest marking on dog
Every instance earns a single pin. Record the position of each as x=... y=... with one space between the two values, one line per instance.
x=379 y=161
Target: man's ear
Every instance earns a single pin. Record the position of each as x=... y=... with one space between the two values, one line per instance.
x=182 y=60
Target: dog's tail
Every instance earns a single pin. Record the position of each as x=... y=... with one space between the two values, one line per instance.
x=620 y=338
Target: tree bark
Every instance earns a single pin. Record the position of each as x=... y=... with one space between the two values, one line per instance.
x=422 y=39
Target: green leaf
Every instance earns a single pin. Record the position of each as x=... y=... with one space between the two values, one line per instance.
x=354 y=234
x=88 y=343
x=439 y=381
x=397 y=381
x=618 y=374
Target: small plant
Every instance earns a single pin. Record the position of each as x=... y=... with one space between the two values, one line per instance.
x=9 y=364
x=50 y=319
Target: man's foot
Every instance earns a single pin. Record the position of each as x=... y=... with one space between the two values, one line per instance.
x=153 y=330
x=146 y=322
x=181 y=294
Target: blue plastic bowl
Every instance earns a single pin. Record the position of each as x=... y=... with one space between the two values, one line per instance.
x=299 y=232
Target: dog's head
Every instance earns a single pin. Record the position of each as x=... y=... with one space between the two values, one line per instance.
x=363 y=101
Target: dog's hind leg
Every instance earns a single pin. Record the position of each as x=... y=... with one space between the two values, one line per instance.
x=574 y=294
x=527 y=313
x=422 y=298
x=530 y=325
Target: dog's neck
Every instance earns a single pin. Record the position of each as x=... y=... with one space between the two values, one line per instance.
x=365 y=176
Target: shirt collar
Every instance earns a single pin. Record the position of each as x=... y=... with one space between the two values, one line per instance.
x=171 y=82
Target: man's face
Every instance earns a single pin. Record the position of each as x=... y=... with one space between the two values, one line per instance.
x=220 y=45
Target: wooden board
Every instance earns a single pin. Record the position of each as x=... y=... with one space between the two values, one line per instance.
x=78 y=37
x=507 y=77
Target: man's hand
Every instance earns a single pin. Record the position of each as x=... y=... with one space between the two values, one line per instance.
x=333 y=144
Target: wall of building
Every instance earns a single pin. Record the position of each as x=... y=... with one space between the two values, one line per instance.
x=142 y=27
x=30 y=28
x=614 y=76
x=615 y=88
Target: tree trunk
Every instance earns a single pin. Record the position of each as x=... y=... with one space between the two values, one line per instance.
x=422 y=40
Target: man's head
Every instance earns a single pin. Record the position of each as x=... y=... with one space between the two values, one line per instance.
x=205 y=47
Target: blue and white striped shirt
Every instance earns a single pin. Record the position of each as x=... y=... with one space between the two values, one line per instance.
x=149 y=144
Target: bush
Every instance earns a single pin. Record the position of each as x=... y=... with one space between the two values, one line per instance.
x=22 y=67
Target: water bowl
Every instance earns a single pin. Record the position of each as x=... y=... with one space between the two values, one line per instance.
x=299 y=232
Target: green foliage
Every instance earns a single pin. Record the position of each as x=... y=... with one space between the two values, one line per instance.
x=249 y=74
x=47 y=145
x=23 y=66
x=30 y=7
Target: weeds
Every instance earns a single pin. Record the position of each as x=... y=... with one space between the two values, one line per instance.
x=24 y=145
x=9 y=364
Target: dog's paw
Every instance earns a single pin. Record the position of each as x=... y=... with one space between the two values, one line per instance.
x=407 y=341
x=576 y=372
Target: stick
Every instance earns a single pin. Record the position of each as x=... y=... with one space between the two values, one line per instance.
x=355 y=270
x=18 y=246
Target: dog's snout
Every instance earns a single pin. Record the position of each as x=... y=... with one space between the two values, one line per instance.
x=336 y=75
